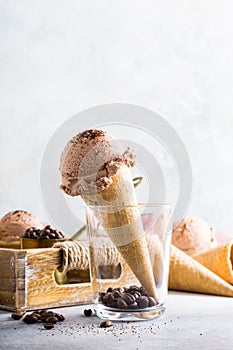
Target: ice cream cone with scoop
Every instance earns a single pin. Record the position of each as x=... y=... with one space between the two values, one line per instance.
x=94 y=166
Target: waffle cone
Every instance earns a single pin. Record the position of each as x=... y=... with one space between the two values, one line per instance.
x=121 y=220
x=219 y=260
x=187 y=274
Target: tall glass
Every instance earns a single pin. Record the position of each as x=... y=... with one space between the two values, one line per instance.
x=129 y=264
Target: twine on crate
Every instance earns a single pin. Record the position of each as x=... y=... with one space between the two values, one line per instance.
x=75 y=254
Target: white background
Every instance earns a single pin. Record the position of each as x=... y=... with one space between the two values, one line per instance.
x=174 y=57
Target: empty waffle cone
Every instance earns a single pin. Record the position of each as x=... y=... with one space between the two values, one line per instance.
x=187 y=274
x=219 y=260
x=121 y=219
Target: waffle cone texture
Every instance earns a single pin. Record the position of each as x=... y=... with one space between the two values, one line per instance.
x=121 y=219
x=187 y=274
x=219 y=260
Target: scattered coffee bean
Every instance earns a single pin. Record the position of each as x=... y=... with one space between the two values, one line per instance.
x=51 y=319
x=30 y=319
x=47 y=314
x=105 y=324
x=48 y=325
x=42 y=311
x=60 y=317
x=47 y=317
x=36 y=314
x=88 y=312
x=17 y=315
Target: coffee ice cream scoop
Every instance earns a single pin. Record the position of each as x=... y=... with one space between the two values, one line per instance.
x=13 y=225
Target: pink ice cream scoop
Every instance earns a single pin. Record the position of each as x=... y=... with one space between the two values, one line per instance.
x=193 y=236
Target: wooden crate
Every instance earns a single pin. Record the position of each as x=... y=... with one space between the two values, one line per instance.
x=27 y=281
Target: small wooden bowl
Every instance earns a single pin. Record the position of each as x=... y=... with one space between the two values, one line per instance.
x=31 y=243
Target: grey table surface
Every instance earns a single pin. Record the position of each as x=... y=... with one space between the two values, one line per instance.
x=191 y=321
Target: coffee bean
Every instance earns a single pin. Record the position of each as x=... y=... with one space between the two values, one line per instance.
x=60 y=317
x=42 y=233
x=134 y=288
x=47 y=233
x=88 y=312
x=30 y=319
x=133 y=305
x=133 y=297
x=152 y=301
x=136 y=295
x=36 y=314
x=105 y=298
x=42 y=311
x=48 y=313
x=101 y=295
x=119 y=289
x=51 y=319
x=112 y=304
x=105 y=324
x=17 y=315
x=143 y=291
x=128 y=298
x=48 y=325
x=143 y=302
x=110 y=297
x=121 y=304
x=116 y=294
